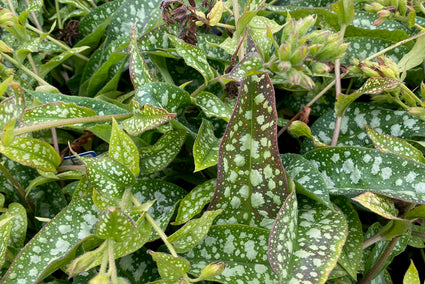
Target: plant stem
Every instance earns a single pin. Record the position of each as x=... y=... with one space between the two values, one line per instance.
x=92 y=3
x=418 y=234
x=381 y=261
x=410 y=93
x=225 y=26
x=68 y=121
x=57 y=42
x=104 y=263
x=25 y=69
x=367 y=243
x=112 y=268
x=161 y=234
x=34 y=17
x=203 y=86
x=12 y=9
x=19 y=189
x=235 y=5
x=58 y=15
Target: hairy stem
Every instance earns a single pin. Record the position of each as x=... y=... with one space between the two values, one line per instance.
x=235 y=5
x=161 y=234
x=367 y=243
x=112 y=268
x=58 y=15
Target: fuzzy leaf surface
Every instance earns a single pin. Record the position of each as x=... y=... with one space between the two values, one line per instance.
x=251 y=180
x=205 y=148
x=378 y=204
x=211 y=105
x=170 y=268
x=114 y=225
x=139 y=71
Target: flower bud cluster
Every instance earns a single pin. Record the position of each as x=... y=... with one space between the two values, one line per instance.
x=384 y=67
x=302 y=54
x=387 y=9
x=6 y=18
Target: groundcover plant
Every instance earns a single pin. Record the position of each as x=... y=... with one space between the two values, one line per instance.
x=180 y=141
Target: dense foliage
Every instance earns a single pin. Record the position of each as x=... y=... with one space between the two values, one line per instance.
x=182 y=141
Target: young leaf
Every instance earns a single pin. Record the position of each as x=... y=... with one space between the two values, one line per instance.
x=193 y=203
x=187 y=237
x=122 y=149
x=18 y=223
x=314 y=241
x=32 y=152
x=5 y=228
x=114 y=225
x=389 y=144
x=345 y=11
x=205 y=148
x=412 y=275
x=414 y=57
x=158 y=156
x=139 y=71
x=108 y=176
x=194 y=57
x=55 y=111
x=251 y=180
x=41 y=256
x=243 y=249
x=211 y=105
x=148 y=118
x=57 y=60
x=349 y=170
x=170 y=268
x=12 y=107
x=378 y=204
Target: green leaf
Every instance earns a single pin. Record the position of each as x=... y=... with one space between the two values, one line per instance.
x=139 y=71
x=412 y=275
x=313 y=240
x=193 y=203
x=249 y=65
x=12 y=107
x=378 y=204
x=59 y=59
x=170 y=268
x=166 y=195
x=187 y=237
x=158 y=156
x=243 y=249
x=114 y=225
x=18 y=223
x=55 y=111
x=389 y=144
x=395 y=123
x=377 y=85
x=43 y=253
x=211 y=105
x=345 y=11
x=414 y=57
x=5 y=228
x=303 y=172
x=194 y=57
x=299 y=128
x=108 y=176
x=352 y=250
x=138 y=267
x=122 y=149
x=148 y=118
x=163 y=95
x=32 y=152
x=251 y=179
x=205 y=148
x=350 y=170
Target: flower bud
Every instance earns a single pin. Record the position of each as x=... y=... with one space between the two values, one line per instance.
x=320 y=68
x=383 y=14
x=299 y=55
x=101 y=278
x=387 y=72
x=374 y=7
x=201 y=15
x=369 y=71
x=214 y=16
x=284 y=65
x=315 y=49
x=420 y=111
x=318 y=36
x=303 y=25
x=211 y=270
x=294 y=77
x=285 y=52
x=423 y=90
x=306 y=81
x=6 y=18
x=330 y=51
x=5 y=48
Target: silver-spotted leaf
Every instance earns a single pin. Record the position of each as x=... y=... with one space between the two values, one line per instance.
x=412 y=275
x=108 y=176
x=114 y=225
x=377 y=85
x=194 y=57
x=42 y=254
x=306 y=241
x=170 y=268
x=193 y=203
x=205 y=148
x=5 y=228
x=387 y=143
x=12 y=107
x=19 y=224
x=378 y=204
x=350 y=170
x=59 y=59
x=211 y=105
x=192 y=232
x=243 y=249
x=123 y=149
x=158 y=156
x=55 y=111
x=139 y=71
x=251 y=181
x=32 y=152
x=148 y=118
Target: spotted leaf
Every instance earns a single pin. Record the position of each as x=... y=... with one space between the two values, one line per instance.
x=32 y=152
x=205 y=148
x=250 y=64
x=351 y=253
x=55 y=111
x=387 y=143
x=114 y=225
x=193 y=203
x=378 y=204
x=251 y=180
x=148 y=118
x=395 y=123
x=19 y=224
x=243 y=249
x=308 y=235
x=412 y=275
x=5 y=228
x=194 y=57
x=350 y=170
x=158 y=156
x=139 y=71
x=122 y=149
x=211 y=105
x=59 y=59
x=43 y=253
x=108 y=176
x=138 y=267
x=362 y=47
x=377 y=85
x=166 y=195
x=163 y=95
x=303 y=172
x=170 y=268
x=12 y=107
x=187 y=237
